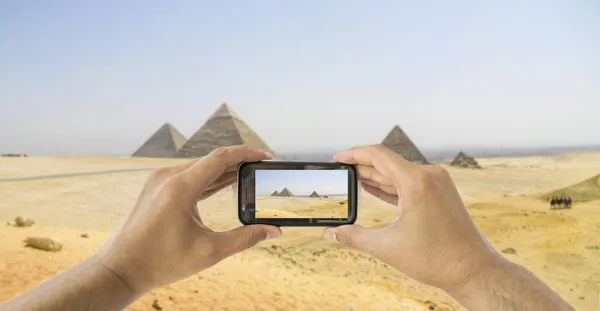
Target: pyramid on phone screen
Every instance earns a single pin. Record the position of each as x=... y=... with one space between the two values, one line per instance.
x=224 y=128
x=400 y=143
x=164 y=143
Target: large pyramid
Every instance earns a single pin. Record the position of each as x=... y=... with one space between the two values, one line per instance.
x=399 y=142
x=224 y=128
x=285 y=193
x=314 y=195
x=164 y=143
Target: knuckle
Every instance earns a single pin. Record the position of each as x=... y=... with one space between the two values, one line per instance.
x=166 y=194
x=424 y=179
x=441 y=171
x=245 y=148
x=174 y=183
x=432 y=178
x=210 y=248
x=220 y=152
x=380 y=147
x=252 y=239
x=350 y=241
x=160 y=173
x=171 y=190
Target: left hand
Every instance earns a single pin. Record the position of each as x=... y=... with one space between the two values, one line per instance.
x=164 y=240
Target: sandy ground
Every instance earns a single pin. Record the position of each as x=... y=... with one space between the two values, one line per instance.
x=300 y=271
x=301 y=207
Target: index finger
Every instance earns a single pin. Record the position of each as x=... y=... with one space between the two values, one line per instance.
x=384 y=160
x=212 y=166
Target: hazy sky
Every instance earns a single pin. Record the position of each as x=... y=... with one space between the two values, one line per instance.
x=83 y=77
x=302 y=182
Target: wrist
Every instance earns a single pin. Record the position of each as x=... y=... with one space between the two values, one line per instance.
x=473 y=287
x=107 y=278
x=127 y=269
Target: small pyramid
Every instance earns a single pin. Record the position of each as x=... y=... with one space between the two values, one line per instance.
x=325 y=196
x=314 y=195
x=401 y=144
x=224 y=128
x=465 y=161
x=275 y=193
x=164 y=143
x=285 y=193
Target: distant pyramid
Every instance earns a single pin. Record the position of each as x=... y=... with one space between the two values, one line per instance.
x=224 y=128
x=314 y=195
x=285 y=193
x=465 y=161
x=164 y=143
x=275 y=193
x=325 y=196
x=399 y=142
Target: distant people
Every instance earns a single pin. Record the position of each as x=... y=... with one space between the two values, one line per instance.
x=561 y=202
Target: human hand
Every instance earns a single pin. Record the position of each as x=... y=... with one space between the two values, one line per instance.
x=432 y=238
x=164 y=239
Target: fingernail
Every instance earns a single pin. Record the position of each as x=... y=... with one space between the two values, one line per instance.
x=269 y=155
x=331 y=236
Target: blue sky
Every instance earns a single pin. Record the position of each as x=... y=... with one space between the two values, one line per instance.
x=88 y=78
x=302 y=182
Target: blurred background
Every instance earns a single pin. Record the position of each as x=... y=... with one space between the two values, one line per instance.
x=309 y=77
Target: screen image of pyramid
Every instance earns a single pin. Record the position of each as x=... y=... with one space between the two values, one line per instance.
x=301 y=194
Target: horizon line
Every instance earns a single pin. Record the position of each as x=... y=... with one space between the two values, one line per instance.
x=448 y=148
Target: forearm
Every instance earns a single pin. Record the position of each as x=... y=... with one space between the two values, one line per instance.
x=87 y=286
x=508 y=286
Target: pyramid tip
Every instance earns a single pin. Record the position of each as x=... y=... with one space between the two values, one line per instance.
x=166 y=125
x=396 y=128
x=226 y=108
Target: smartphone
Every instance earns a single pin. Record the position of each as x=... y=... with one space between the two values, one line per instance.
x=290 y=193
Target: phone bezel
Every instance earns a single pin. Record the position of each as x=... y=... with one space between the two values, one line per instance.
x=246 y=192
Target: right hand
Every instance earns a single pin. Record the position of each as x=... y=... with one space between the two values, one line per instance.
x=432 y=238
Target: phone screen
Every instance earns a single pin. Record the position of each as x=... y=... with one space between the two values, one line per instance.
x=301 y=194
x=285 y=193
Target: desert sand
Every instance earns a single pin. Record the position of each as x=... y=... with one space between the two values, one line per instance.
x=299 y=271
x=302 y=207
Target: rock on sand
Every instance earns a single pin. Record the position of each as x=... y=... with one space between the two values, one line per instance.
x=23 y=222
x=43 y=243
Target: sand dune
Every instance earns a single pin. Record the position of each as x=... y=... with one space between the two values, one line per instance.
x=587 y=190
x=301 y=207
x=300 y=271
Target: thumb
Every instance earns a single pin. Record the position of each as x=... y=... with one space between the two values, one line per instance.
x=242 y=238
x=361 y=238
